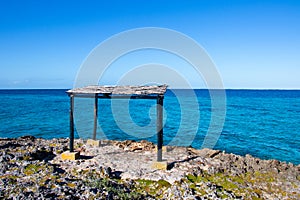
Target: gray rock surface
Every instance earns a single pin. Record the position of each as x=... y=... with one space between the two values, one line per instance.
x=31 y=168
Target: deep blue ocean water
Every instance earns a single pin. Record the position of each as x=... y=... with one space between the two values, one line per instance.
x=263 y=123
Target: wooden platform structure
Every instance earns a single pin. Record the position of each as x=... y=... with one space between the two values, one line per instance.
x=120 y=92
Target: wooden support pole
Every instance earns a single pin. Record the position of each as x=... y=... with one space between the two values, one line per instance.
x=71 y=123
x=159 y=126
x=95 y=116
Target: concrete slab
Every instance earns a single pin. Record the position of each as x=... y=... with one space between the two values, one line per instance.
x=91 y=142
x=67 y=155
x=162 y=165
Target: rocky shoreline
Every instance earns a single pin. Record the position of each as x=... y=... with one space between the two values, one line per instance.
x=31 y=168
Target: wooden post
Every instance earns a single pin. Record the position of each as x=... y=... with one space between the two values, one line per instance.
x=71 y=123
x=159 y=126
x=95 y=116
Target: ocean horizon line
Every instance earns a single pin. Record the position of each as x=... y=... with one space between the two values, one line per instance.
x=265 y=89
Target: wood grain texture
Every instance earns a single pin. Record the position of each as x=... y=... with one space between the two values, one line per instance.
x=120 y=90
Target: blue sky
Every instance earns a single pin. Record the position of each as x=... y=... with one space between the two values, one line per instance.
x=254 y=44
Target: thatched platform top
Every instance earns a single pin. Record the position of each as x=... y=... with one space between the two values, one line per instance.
x=120 y=90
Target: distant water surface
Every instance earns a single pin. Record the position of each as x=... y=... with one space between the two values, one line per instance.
x=263 y=123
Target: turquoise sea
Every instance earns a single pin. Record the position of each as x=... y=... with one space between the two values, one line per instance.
x=263 y=123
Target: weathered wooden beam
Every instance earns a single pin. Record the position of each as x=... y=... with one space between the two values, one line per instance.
x=121 y=90
x=101 y=96
x=159 y=126
x=71 y=123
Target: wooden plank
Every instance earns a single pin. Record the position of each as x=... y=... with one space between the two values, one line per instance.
x=102 y=96
x=126 y=90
